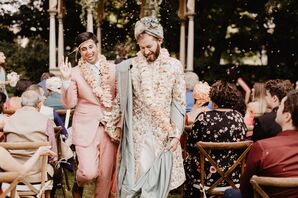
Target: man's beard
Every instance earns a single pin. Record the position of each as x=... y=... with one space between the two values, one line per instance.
x=153 y=55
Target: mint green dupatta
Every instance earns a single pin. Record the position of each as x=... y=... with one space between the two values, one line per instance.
x=155 y=182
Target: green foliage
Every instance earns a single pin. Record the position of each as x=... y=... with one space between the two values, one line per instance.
x=171 y=24
x=252 y=20
x=118 y=25
x=30 y=62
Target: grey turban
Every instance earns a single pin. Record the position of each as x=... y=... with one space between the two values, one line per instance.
x=149 y=25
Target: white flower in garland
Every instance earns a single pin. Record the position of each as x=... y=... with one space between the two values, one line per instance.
x=101 y=89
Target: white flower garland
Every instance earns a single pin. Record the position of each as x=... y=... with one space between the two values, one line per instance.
x=147 y=88
x=102 y=90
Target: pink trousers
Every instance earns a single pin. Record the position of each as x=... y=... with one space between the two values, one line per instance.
x=97 y=161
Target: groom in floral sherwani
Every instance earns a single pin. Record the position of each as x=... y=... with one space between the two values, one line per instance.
x=152 y=100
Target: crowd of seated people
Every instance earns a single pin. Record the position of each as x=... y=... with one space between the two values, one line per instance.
x=218 y=115
x=265 y=125
x=25 y=118
x=276 y=156
x=270 y=115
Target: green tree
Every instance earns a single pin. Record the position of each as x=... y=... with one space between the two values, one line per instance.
x=30 y=62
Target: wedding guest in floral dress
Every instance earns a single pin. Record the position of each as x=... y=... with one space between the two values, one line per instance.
x=90 y=89
x=221 y=124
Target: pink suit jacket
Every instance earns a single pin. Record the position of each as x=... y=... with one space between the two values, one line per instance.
x=88 y=109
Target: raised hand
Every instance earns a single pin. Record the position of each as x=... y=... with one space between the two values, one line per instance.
x=65 y=69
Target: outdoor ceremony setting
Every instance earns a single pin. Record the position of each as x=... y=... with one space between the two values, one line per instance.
x=148 y=98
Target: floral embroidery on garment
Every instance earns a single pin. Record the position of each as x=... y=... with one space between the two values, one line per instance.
x=213 y=126
x=155 y=85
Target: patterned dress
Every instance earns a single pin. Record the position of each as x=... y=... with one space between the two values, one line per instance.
x=213 y=126
x=155 y=85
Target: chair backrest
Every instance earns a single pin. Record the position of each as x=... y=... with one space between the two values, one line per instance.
x=204 y=147
x=15 y=178
x=282 y=182
x=66 y=114
x=1 y=134
x=64 y=152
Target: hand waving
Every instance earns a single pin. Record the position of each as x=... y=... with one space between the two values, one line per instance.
x=65 y=69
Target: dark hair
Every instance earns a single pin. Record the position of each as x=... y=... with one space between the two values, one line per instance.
x=278 y=87
x=21 y=86
x=288 y=86
x=84 y=36
x=291 y=106
x=226 y=95
x=2 y=101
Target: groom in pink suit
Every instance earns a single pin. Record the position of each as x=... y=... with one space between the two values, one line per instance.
x=90 y=89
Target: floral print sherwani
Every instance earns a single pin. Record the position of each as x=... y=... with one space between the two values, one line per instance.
x=155 y=86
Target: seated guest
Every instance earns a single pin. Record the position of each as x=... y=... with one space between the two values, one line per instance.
x=48 y=111
x=53 y=99
x=221 y=124
x=265 y=125
x=276 y=156
x=28 y=125
x=258 y=106
x=14 y=102
x=42 y=83
x=201 y=96
x=191 y=79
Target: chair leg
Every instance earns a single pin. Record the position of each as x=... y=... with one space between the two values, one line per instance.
x=47 y=193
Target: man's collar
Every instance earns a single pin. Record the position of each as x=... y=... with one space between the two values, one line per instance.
x=96 y=64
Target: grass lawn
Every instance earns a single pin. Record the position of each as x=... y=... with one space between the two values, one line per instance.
x=90 y=187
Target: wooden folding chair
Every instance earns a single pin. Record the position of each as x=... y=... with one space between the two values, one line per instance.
x=67 y=115
x=61 y=168
x=204 y=147
x=1 y=136
x=282 y=182
x=14 y=178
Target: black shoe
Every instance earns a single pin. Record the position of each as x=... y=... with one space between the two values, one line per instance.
x=77 y=191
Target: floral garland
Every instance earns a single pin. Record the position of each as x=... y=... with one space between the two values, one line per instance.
x=102 y=90
x=147 y=88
